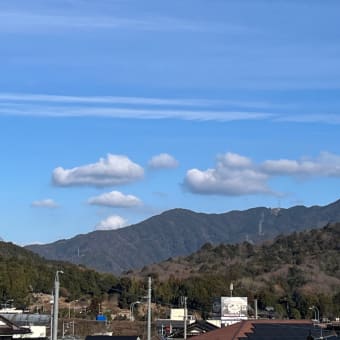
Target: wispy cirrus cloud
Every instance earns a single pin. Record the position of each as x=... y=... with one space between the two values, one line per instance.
x=236 y=175
x=49 y=98
x=129 y=107
x=41 y=22
x=45 y=203
x=115 y=199
x=112 y=170
x=47 y=105
x=130 y=100
x=112 y=112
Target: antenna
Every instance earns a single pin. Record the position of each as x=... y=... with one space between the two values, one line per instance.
x=260 y=231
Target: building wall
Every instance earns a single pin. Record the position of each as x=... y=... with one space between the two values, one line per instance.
x=36 y=332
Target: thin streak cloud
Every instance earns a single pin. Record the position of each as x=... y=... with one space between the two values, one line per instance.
x=15 y=97
x=47 y=105
x=72 y=111
x=61 y=99
x=32 y=22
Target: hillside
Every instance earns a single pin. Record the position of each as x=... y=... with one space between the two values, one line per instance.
x=180 y=232
x=316 y=250
x=23 y=273
x=290 y=273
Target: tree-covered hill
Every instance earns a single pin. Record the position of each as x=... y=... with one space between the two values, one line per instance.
x=290 y=273
x=23 y=272
x=180 y=232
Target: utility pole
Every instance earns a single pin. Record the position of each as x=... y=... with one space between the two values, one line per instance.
x=149 y=309
x=256 y=313
x=185 y=318
x=55 y=305
x=51 y=317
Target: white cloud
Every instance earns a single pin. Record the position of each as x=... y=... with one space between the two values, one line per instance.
x=45 y=203
x=233 y=160
x=63 y=21
x=111 y=223
x=112 y=170
x=115 y=199
x=106 y=100
x=233 y=175
x=43 y=110
x=43 y=105
x=163 y=161
x=326 y=164
x=238 y=175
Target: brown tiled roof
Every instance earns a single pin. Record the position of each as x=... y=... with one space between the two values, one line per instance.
x=241 y=329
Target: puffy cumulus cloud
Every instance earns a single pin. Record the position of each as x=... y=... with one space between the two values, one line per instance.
x=112 y=170
x=111 y=223
x=163 y=161
x=45 y=203
x=238 y=175
x=233 y=175
x=233 y=160
x=326 y=164
x=115 y=199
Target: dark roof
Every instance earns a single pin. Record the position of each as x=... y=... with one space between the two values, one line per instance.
x=168 y=322
x=113 y=337
x=280 y=331
x=23 y=319
x=9 y=328
x=267 y=329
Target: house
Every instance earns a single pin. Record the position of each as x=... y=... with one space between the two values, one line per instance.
x=113 y=337
x=194 y=329
x=175 y=323
x=8 y=330
x=270 y=329
x=37 y=324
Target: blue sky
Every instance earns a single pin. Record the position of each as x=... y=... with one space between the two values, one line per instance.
x=114 y=111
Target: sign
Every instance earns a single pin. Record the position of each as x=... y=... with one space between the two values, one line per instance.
x=234 y=308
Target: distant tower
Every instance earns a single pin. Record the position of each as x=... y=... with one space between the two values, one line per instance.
x=260 y=232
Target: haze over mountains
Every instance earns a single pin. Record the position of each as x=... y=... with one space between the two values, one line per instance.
x=181 y=232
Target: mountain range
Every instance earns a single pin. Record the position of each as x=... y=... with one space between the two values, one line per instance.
x=180 y=232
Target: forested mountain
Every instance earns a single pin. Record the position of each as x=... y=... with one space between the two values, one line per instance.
x=181 y=232
x=290 y=274
x=23 y=272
